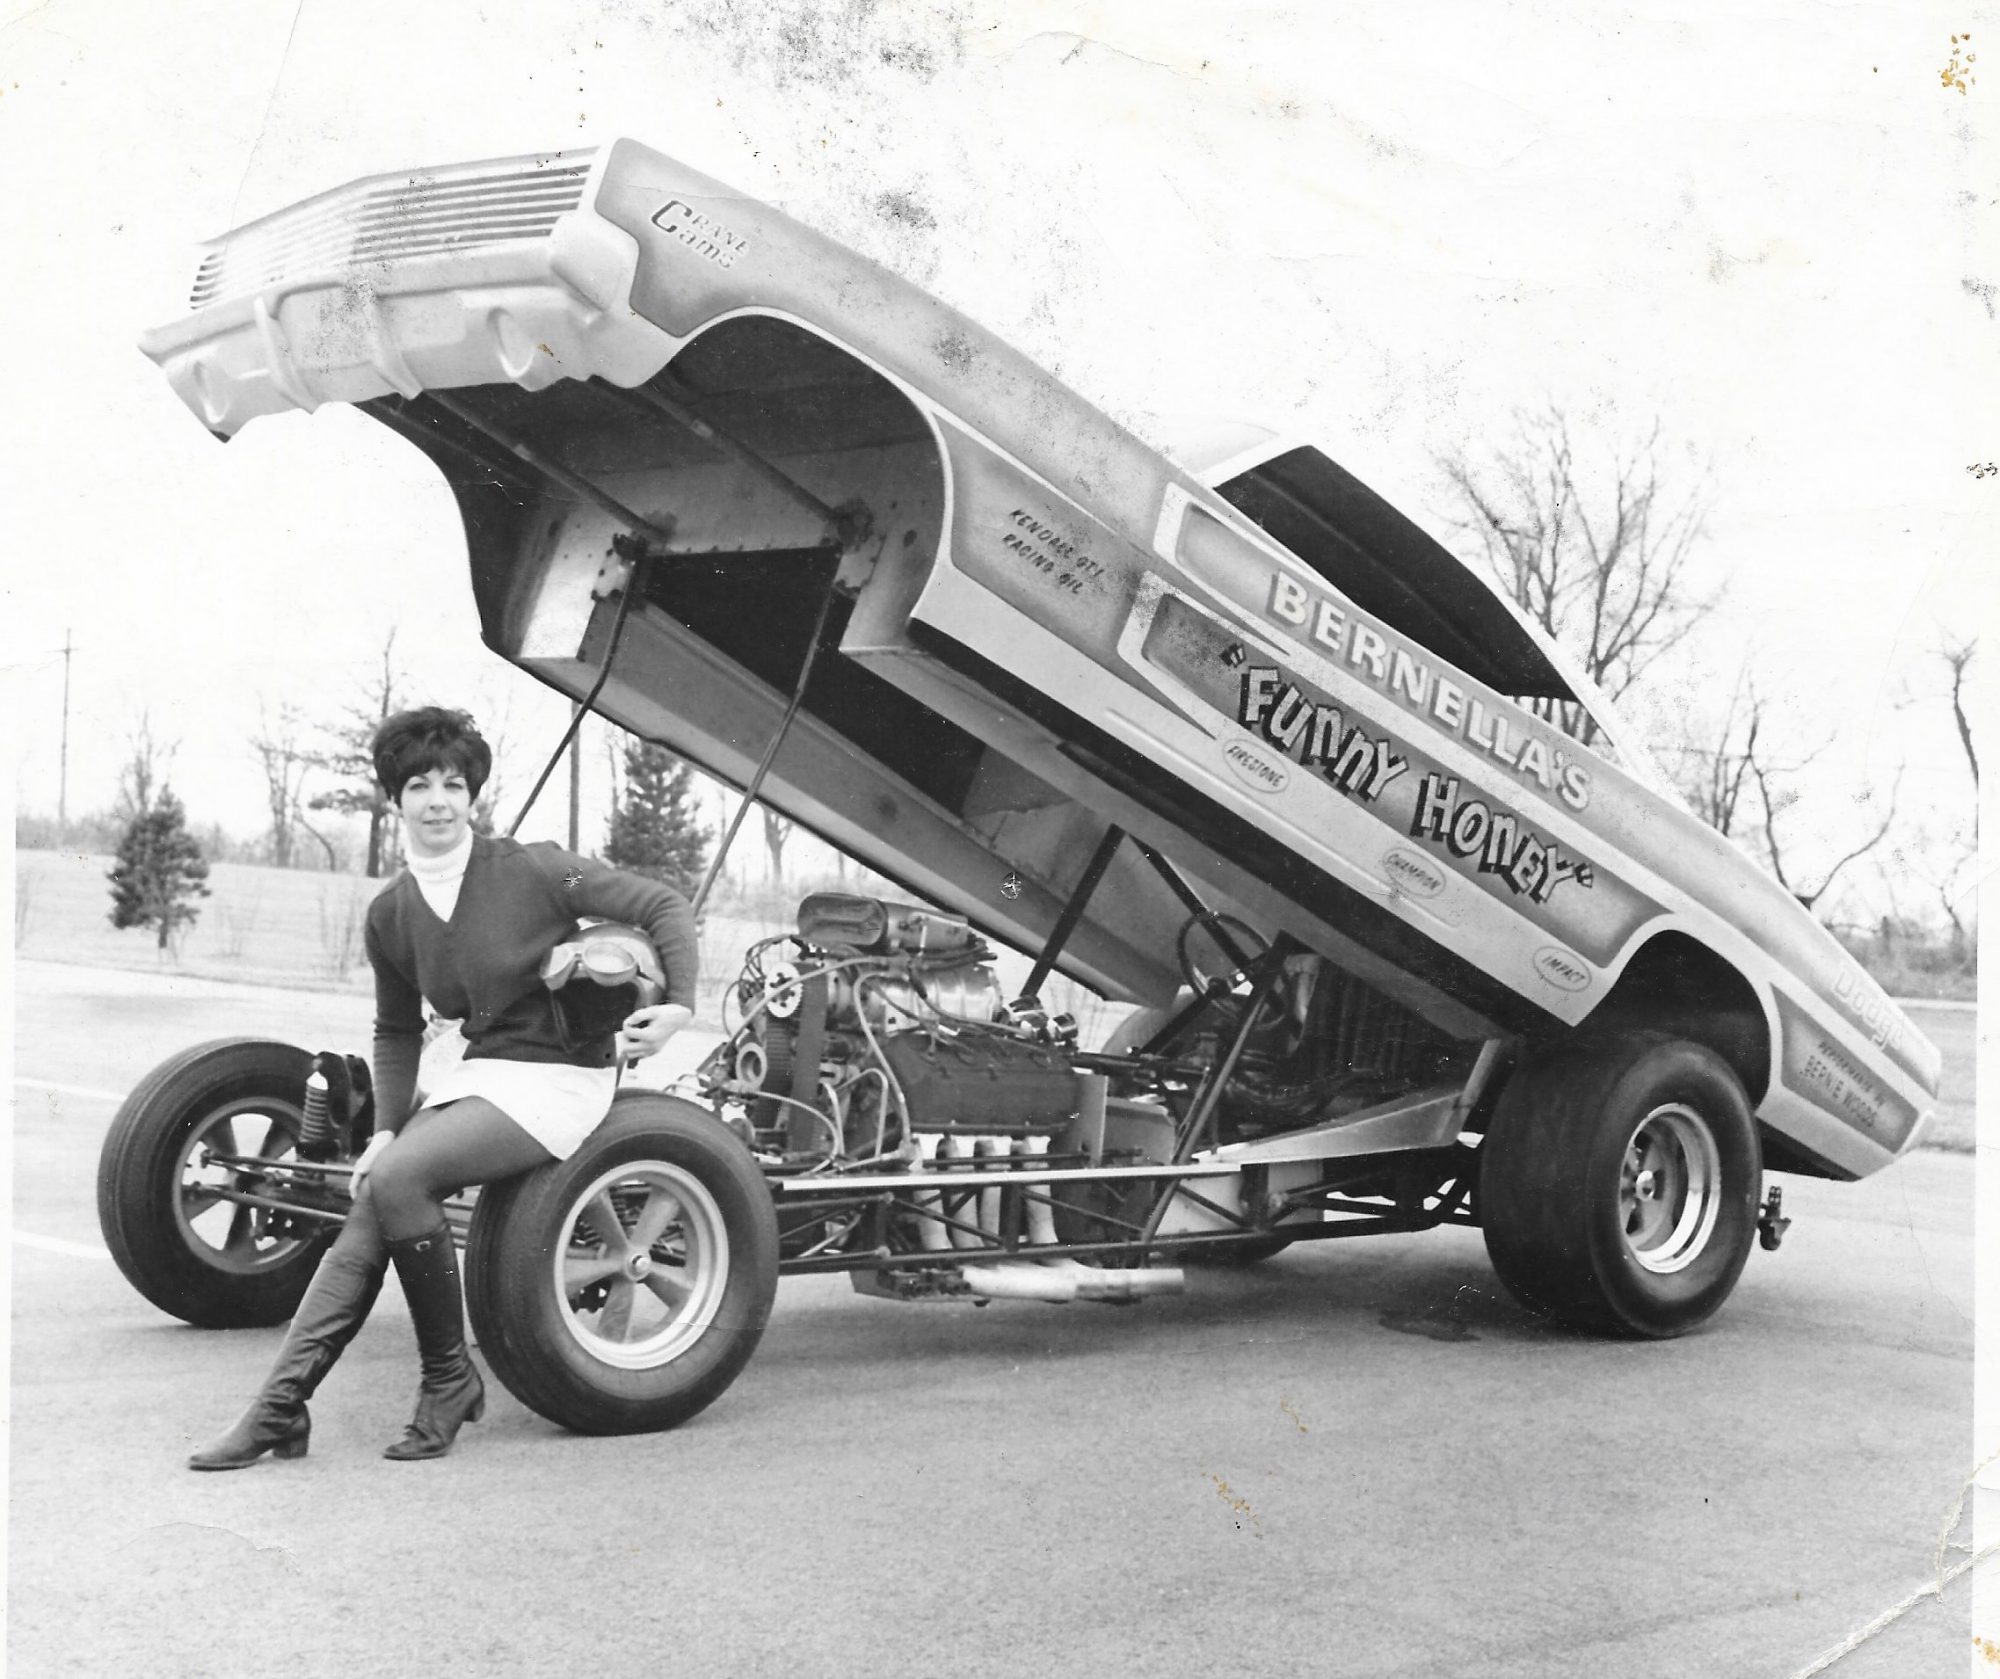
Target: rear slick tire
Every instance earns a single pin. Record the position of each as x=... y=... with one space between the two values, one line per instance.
x=1618 y=1184
x=622 y=1290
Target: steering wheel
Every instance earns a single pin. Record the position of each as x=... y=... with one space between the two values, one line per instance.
x=1205 y=963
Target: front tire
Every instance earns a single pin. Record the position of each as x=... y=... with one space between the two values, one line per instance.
x=211 y=1262
x=622 y=1290
x=1618 y=1184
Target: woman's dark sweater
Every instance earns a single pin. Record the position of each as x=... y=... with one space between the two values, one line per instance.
x=483 y=966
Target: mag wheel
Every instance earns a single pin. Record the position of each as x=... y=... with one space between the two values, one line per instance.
x=196 y=1127
x=622 y=1290
x=1670 y=1189
x=1618 y=1184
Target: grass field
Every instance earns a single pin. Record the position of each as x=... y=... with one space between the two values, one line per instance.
x=285 y=927
x=290 y=927
x=267 y=926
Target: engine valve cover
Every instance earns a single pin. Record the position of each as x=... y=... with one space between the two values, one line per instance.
x=982 y=1083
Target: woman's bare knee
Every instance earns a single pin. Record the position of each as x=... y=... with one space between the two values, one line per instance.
x=403 y=1200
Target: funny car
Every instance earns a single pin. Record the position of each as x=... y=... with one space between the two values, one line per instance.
x=1415 y=933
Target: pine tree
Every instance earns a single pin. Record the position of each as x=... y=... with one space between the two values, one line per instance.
x=654 y=830
x=160 y=871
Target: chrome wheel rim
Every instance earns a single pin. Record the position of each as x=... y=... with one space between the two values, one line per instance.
x=1669 y=1188
x=225 y=1234
x=643 y=1264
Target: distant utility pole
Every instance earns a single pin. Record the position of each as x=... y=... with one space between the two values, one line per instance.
x=62 y=773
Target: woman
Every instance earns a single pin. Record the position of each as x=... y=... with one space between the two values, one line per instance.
x=466 y=927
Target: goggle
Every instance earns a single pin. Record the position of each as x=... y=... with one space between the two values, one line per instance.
x=600 y=961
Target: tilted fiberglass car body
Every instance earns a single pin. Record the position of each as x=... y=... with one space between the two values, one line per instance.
x=1231 y=738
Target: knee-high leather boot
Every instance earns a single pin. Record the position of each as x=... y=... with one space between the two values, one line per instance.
x=336 y=1305
x=452 y=1393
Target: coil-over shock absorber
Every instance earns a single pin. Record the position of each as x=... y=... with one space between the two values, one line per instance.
x=318 y=1139
x=337 y=1108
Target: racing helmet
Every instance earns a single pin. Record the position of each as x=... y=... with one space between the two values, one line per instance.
x=598 y=974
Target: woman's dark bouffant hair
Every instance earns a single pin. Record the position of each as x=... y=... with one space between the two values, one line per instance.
x=413 y=743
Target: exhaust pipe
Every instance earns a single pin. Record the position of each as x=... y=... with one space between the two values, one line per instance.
x=1060 y=1281
x=957 y=1147
x=1057 y=1281
x=930 y=1232
x=1041 y=1215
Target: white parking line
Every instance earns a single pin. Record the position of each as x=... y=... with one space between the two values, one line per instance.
x=55 y=1244
x=71 y=1089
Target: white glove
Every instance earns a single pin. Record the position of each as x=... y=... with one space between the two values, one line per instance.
x=369 y=1155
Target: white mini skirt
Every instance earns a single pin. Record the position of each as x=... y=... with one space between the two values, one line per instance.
x=556 y=1104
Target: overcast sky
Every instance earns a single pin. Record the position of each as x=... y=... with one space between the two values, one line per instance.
x=1383 y=228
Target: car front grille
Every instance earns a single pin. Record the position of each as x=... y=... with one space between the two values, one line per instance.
x=381 y=220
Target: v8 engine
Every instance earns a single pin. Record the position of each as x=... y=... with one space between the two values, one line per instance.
x=882 y=1023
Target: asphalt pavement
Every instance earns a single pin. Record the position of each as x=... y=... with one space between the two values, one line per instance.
x=1360 y=1458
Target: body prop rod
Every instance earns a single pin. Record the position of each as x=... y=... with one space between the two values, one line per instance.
x=626 y=596
x=756 y=781
x=1072 y=912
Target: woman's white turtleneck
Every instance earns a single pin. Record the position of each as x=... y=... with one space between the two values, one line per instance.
x=438 y=877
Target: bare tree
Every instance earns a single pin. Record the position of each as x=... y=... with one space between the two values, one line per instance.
x=1740 y=779
x=145 y=768
x=1777 y=798
x=1957 y=655
x=495 y=727
x=1714 y=778
x=346 y=756
x=283 y=759
x=1944 y=855
x=613 y=770
x=777 y=830
x=1598 y=559
x=335 y=851
x=1946 y=866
